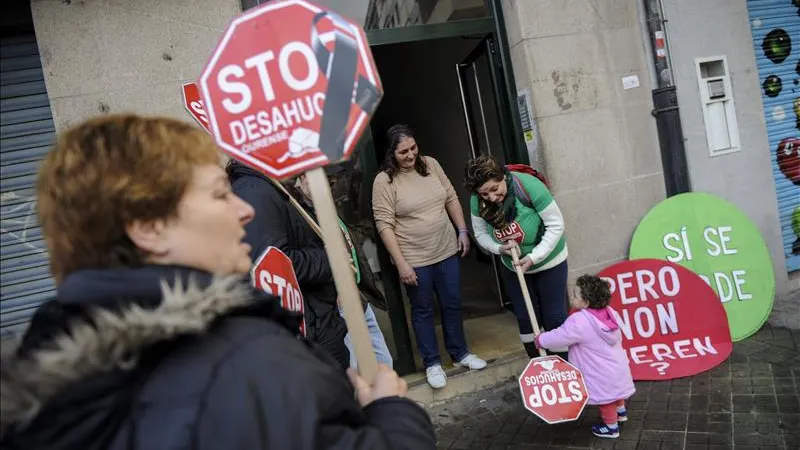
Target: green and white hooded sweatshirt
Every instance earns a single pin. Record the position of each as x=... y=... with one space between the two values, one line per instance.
x=548 y=250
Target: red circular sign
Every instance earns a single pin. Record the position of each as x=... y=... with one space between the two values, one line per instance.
x=290 y=87
x=553 y=389
x=274 y=274
x=673 y=324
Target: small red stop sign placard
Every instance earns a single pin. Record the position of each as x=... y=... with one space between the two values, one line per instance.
x=553 y=389
x=290 y=87
x=273 y=273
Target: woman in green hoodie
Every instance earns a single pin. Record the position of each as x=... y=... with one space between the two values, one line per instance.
x=514 y=210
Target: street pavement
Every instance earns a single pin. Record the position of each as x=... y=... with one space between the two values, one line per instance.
x=751 y=401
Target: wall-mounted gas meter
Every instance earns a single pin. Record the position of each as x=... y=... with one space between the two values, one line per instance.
x=716 y=97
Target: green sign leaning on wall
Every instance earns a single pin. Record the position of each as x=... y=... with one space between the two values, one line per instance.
x=713 y=238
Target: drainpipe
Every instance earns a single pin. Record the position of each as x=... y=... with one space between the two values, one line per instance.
x=665 y=103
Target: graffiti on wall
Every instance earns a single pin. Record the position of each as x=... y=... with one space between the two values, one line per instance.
x=774 y=25
x=17 y=220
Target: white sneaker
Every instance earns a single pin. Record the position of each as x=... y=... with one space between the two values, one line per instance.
x=436 y=376
x=471 y=362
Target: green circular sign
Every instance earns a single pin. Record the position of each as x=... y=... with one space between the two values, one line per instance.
x=717 y=241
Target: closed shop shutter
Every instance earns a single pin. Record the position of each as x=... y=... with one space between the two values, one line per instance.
x=26 y=134
x=775 y=27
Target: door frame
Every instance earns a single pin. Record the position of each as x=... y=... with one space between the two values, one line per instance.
x=511 y=133
x=487 y=48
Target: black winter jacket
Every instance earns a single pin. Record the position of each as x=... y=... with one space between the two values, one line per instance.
x=278 y=224
x=162 y=358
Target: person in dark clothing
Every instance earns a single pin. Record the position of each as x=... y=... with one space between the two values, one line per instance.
x=155 y=339
x=364 y=278
x=278 y=223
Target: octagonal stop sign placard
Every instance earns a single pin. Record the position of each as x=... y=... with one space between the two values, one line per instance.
x=290 y=87
x=273 y=273
x=553 y=389
x=194 y=104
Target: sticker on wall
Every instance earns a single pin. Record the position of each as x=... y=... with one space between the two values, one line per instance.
x=672 y=322
x=788 y=157
x=717 y=241
x=777 y=45
x=528 y=123
x=772 y=86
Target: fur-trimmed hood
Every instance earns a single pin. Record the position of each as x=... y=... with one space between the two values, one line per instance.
x=70 y=341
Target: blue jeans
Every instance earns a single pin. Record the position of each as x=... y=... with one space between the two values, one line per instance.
x=378 y=342
x=548 y=291
x=444 y=278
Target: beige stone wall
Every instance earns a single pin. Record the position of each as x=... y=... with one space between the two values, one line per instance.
x=599 y=144
x=102 y=56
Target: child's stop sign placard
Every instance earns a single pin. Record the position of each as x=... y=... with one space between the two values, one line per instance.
x=553 y=389
x=673 y=324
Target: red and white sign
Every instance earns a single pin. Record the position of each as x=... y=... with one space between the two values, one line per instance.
x=512 y=232
x=194 y=104
x=290 y=87
x=673 y=324
x=553 y=389
x=273 y=273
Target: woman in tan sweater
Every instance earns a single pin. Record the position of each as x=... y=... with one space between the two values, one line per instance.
x=413 y=203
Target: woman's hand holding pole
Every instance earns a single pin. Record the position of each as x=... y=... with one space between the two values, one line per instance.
x=514 y=251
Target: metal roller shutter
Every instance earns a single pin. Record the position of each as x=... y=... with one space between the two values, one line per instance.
x=775 y=25
x=26 y=134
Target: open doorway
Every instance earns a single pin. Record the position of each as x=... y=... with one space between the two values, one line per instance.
x=423 y=90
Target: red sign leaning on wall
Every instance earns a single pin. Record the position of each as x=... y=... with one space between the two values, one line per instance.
x=673 y=324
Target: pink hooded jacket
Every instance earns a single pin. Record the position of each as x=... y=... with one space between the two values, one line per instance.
x=595 y=347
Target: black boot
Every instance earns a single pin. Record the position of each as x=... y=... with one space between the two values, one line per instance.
x=530 y=348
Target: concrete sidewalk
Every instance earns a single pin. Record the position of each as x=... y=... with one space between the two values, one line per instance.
x=751 y=401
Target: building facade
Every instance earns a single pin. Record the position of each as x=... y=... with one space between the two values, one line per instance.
x=744 y=147
x=566 y=85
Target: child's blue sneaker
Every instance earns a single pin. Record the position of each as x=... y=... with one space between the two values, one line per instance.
x=622 y=415
x=605 y=431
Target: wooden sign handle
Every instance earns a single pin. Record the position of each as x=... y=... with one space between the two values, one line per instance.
x=307 y=217
x=527 y=296
x=343 y=277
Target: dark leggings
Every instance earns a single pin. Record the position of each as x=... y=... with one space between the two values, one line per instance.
x=548 y=291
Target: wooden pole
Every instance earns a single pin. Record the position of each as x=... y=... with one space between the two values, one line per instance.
x=527 y=296
x=307 y=217
x=343 y=276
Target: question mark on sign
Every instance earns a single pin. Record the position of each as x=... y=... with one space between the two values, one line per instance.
x=660 y=366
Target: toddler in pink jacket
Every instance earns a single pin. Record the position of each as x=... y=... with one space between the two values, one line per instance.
x=595 y=347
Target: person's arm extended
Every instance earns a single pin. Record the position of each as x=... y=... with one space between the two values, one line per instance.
x=562 y=337
x=481 y=228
